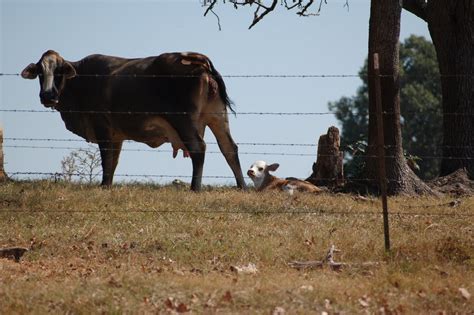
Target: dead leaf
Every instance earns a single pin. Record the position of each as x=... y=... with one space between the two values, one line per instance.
x=182 y=308
x=169 y=303
x=308 y=288
x=364 y=301
x=249 y=269
x=178 y=272
x=210 y=303
x=465 y=293
x=360 y=198
x=227 y=297
x=455 y=203
x=278 y=311
x=327 y=304
x=14 y=253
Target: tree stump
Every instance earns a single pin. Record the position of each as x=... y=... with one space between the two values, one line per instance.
x=3 y=175
x=328 y=168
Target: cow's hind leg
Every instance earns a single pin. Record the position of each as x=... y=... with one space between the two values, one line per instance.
x=109 y=153
x=220 y=129
x=196 y=147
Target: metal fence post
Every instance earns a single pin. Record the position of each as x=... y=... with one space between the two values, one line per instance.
x=381 y=150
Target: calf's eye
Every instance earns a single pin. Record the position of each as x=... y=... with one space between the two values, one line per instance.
x=260 y=169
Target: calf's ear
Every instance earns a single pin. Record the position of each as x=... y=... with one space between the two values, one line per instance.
x=273 y=167
x=30 y=72
x=68 y=70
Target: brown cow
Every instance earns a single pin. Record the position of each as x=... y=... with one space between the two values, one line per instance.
x=167 y=98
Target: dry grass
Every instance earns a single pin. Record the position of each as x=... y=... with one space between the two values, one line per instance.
x=148 y=249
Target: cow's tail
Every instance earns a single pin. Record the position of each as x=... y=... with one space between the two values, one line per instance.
x=221 y=87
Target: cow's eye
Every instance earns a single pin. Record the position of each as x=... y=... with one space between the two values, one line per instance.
x=260 y=169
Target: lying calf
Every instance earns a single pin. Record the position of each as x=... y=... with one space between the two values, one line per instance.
x=259 y=173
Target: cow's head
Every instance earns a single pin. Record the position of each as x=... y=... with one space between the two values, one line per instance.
x=259 y=170
x=53 y=71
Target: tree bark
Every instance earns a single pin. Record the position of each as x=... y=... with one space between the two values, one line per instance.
x=384 y=32
x=451 y=26
x=328 y=170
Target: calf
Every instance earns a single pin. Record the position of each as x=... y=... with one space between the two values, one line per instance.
x=259 y=173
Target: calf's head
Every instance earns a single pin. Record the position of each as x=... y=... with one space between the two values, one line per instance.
x=260 y=171
x=53 y=71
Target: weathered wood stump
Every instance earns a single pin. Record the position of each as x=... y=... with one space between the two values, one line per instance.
x=3 y=175
x=328 y=168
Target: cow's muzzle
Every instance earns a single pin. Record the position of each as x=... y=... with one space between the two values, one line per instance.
x=49 y=99
x=251 y=173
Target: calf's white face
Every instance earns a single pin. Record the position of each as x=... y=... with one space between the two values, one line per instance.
x=259 y=170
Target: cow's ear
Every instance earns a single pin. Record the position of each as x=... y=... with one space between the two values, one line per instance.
x=273 y=167
x=68 y=70
x=30 y=72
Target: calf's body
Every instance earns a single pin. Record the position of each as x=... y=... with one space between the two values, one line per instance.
x=259 y=172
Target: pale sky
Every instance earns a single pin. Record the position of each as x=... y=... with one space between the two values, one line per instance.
x=335 y=42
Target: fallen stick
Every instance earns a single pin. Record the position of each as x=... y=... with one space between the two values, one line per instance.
x=328 y=260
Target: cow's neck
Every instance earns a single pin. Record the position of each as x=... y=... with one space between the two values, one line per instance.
x=268 y=180
x=61 y=106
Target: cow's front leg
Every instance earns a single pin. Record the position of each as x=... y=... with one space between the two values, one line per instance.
x=109 y=154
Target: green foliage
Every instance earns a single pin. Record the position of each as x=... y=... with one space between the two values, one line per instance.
x=420 y=105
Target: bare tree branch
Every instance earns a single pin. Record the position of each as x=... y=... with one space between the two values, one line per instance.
x=258 y=15
x=210 y=9
x=295 y=4
x=346 y=5
x=306 y=7
x=417 y=7
x=257 y=18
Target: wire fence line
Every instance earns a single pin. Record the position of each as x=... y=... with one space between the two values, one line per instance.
x=245 y=76
x=359 y=156
x=58 y=176
x=165 y=113
x=319 y=212
x=27 y=139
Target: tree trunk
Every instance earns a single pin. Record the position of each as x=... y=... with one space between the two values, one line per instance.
x=451 y=25
x=384 y=32
x=328 y=171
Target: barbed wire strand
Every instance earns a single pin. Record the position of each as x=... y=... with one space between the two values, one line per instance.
x=254 y=212
x=59 y=175
x=347 y=148
x=359 y=156
x=164 y=113
x=246 y=76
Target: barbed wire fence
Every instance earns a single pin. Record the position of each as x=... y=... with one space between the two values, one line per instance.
x=38 y=143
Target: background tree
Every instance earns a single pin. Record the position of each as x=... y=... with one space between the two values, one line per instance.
x=420 y=105
x=451 y=26
x=384 y=31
